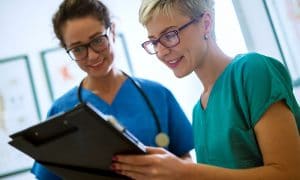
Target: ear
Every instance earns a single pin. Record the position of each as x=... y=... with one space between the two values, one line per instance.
x=207 y=22
x=113 y=31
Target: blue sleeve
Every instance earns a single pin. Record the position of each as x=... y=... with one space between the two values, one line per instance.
x=64 y=103
x=42 y=173
x=180 y=129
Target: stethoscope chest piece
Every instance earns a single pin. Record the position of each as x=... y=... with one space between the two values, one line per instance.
x=162 y=139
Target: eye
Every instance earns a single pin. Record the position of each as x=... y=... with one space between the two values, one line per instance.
x=78 y=50
x=153 y=42
x=169 y=36
x=97 y=41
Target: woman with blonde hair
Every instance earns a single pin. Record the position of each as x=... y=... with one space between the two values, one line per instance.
x=246 y=122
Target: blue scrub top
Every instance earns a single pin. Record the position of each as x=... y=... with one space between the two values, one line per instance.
x=131 y=110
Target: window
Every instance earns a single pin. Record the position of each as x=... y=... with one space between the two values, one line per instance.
x=285 y=16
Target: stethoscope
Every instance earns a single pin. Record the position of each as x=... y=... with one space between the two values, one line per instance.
x=161 y=138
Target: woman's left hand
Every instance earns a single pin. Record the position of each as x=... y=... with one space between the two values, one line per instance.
x=157 y=164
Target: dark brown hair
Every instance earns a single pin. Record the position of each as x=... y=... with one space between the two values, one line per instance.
x=73 y=9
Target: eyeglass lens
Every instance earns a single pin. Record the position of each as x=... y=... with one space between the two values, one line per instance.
x=169 y=39
x=97 y=44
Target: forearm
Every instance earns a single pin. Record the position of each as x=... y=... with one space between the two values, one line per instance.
x=205 y=172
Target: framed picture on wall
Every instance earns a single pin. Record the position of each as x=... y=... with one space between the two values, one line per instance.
x=19 y=109
x=62 y=73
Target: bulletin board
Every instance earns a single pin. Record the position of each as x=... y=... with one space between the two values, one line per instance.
x=19 y=109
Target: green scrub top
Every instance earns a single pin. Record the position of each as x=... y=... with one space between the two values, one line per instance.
x=224 y=131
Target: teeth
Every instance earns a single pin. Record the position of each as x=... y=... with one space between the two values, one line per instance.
x=97 y=63
x=173 y=62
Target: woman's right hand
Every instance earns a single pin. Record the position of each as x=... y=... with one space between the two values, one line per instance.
x=157 y=164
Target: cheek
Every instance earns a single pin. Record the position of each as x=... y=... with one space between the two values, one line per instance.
x=111 y=48
x=110 y=55
x=193 y=47
x=159 y=57
x=81 y=66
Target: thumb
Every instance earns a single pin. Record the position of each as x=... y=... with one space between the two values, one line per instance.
x=155 y=150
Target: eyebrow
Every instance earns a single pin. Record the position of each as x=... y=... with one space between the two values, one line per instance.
x=164 y=31
x=90 y=38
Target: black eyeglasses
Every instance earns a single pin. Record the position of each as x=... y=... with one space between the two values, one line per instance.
x=97 y=44
x=169 y=39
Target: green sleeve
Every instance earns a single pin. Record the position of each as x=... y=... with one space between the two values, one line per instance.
x=265 y=81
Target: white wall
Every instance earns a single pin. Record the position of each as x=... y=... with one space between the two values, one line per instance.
x=26 y=30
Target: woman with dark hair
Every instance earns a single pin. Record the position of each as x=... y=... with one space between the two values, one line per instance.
x=85 y=30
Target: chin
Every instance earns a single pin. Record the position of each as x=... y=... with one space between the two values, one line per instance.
x=180 y=74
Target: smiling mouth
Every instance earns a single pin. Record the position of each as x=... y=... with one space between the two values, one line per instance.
x=174 y=63
x=97 y=63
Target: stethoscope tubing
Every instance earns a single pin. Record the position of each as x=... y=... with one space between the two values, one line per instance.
x=141 y=91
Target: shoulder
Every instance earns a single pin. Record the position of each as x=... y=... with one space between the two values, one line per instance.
x=252 y=61
x=64 y=102
x=147 y=82
x=150 y=84
x=68 y=97
x=154 y=89
x=258 y=65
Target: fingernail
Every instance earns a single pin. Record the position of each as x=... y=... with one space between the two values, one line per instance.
x=118 y=171
x=112 y=167
x=115 y=158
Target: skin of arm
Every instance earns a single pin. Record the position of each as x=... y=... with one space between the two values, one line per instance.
x=277 y=136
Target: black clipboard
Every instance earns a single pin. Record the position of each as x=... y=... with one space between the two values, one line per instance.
x=78 y=144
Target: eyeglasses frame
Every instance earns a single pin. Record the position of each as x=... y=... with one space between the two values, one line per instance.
x=88 y=45
x=154 y=42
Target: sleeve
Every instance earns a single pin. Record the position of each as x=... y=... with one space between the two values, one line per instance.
x=64 y=103
x=180 y=129
x=42 y=173
x=39 y=170
x=265 y=81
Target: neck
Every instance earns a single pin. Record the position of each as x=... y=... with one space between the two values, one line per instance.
x=105 y=86
x=212 y=66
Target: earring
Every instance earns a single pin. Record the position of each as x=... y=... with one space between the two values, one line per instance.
x=205 y=37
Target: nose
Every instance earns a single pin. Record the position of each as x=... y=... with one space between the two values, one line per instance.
x=91 y=54
x=161 y=50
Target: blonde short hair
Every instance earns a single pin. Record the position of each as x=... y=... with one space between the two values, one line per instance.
x=189 y=8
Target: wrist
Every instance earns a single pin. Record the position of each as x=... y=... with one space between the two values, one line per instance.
x=188 y=170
